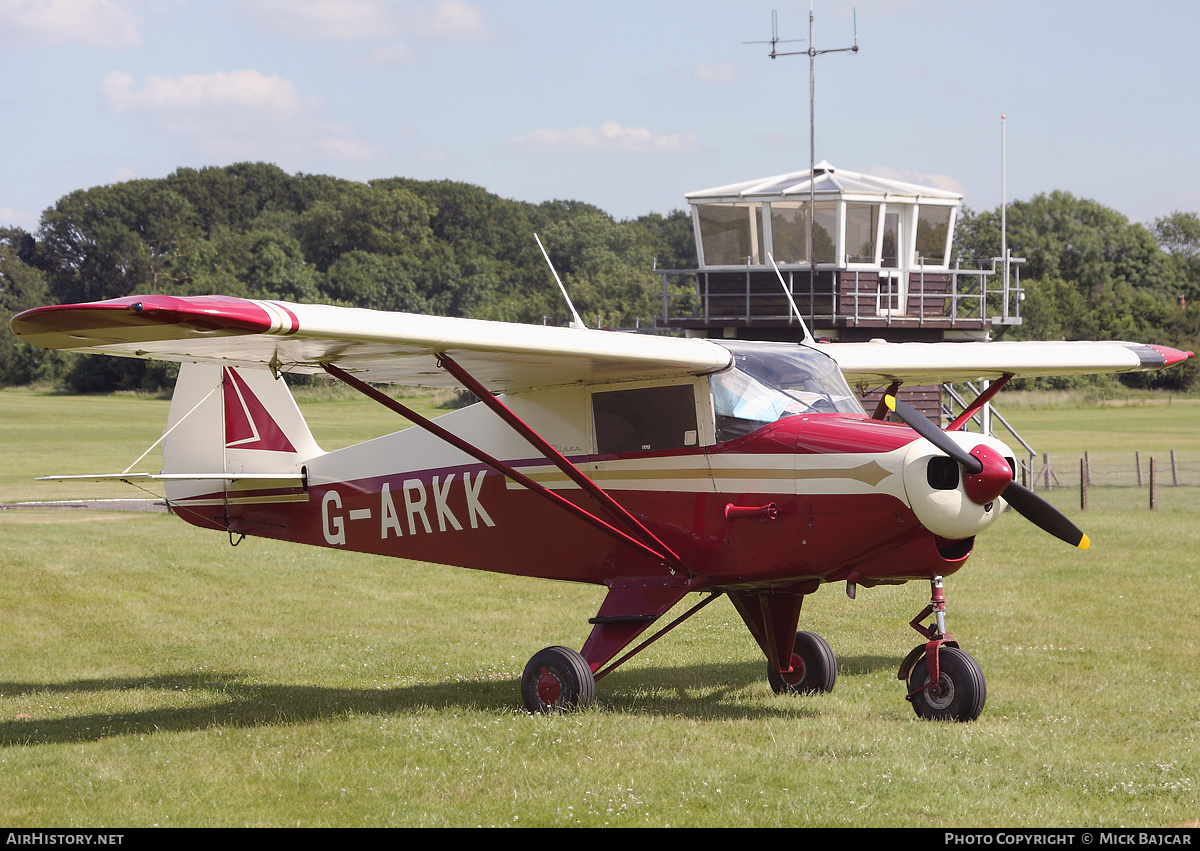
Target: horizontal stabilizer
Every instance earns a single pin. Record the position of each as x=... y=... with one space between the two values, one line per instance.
x=284 y=479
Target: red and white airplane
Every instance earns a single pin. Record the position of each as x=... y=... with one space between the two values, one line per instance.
x=657 y=467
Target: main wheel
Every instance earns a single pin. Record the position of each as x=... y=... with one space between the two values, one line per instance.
x=960 y=692
x=557 y=678
x=814 y=667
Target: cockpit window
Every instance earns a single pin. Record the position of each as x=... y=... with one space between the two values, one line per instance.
x=772 y=381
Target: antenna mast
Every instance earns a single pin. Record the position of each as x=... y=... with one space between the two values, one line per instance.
x=812 y=54
x=576 y=322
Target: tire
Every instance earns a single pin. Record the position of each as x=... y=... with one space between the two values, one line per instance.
x=814 y=667
x=963 y=689
x=557 y=679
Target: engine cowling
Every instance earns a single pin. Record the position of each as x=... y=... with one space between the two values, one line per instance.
x=948 y=501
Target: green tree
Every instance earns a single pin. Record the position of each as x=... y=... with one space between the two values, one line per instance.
x=22 y=286
x=233 y=196
x=273 y=267
x=606 y=267
x=373 y=281
x=112 y=241
x=1179 y=236
x=358 y=217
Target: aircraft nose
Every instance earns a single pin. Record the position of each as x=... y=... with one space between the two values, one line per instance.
x=950 y=501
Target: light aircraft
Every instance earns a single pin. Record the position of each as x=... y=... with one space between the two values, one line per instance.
x=656 y=467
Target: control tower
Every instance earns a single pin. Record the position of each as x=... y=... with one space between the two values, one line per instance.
x=862 y=257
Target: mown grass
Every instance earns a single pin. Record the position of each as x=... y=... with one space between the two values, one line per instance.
x=47 y=433
x=150 y=674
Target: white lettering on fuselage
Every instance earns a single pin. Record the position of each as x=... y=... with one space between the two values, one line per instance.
x=332 y=526
x=473 y=507
x=414 y=504
x=415 y=512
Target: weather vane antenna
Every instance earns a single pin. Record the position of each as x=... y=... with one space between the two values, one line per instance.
x=812 y=52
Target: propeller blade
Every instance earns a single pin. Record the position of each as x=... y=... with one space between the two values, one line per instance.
x=917 y=421
x=1041 y=513
x=1024 y=501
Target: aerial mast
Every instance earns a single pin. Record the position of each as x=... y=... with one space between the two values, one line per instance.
x=812 y=52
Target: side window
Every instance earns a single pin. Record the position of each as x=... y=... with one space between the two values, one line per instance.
x=645 y=419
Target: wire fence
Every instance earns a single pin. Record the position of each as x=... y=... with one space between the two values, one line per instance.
x=1113 y=469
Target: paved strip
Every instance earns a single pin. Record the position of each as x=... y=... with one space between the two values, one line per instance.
x=92 y=505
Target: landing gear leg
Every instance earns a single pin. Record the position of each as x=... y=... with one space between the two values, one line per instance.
x=944 y=682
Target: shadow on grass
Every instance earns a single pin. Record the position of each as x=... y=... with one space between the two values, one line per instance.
x=713 y=692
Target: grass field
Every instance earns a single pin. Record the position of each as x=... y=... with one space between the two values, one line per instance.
x=153 y=675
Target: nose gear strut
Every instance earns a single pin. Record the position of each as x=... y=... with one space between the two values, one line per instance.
x=944 y=682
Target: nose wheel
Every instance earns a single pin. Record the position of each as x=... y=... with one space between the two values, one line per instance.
x=957 y=695
x=944 y=682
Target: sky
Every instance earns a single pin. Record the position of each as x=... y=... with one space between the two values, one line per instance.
x=624 y=104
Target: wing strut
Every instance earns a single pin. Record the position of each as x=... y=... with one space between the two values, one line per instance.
x=561 y=461
x=980 y=400
x=502 y=468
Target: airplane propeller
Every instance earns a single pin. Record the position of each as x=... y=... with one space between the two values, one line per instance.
x=982 y=483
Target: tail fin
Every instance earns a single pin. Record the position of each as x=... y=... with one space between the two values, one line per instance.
x=235 y=421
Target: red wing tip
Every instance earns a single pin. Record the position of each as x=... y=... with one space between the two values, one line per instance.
x=1172 y=356
x=120 y=319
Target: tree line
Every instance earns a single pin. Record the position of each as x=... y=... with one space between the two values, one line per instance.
x=254 y=231
x=454 y=249
x=1091 y=274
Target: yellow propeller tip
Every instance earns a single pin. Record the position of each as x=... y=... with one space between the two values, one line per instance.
x=1084 y=543
x=890 y=401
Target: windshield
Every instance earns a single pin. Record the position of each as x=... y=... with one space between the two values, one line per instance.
x=770 y=381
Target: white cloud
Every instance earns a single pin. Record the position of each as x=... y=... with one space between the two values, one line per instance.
x=235 y=113
x=609 y=137
x=402 y=26
x=393 y=53
x=247 y=93
x=100 y=23
x=775 y=139
x=449 y=20
x=934 y=181
x=718 y=72
x=349 y=149
x=338 y=20
x=25 y=219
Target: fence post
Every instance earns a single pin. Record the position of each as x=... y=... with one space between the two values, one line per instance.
x=1153 y=486
x=1174 y=471
x=1083 y=483
x=1137 y=459
x=1087 y=466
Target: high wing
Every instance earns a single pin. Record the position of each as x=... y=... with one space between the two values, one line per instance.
x=381 y=347
x=944 y=363
x=404 y=348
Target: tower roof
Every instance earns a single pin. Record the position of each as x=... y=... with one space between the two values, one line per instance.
x=827 y=182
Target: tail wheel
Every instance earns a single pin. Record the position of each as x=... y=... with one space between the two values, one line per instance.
x=557 y=679
x=814 y=667
x=958 y=695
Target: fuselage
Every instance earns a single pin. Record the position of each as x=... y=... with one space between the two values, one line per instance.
x=809 y=497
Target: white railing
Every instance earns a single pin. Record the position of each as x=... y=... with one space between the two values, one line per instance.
x=955 y=295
